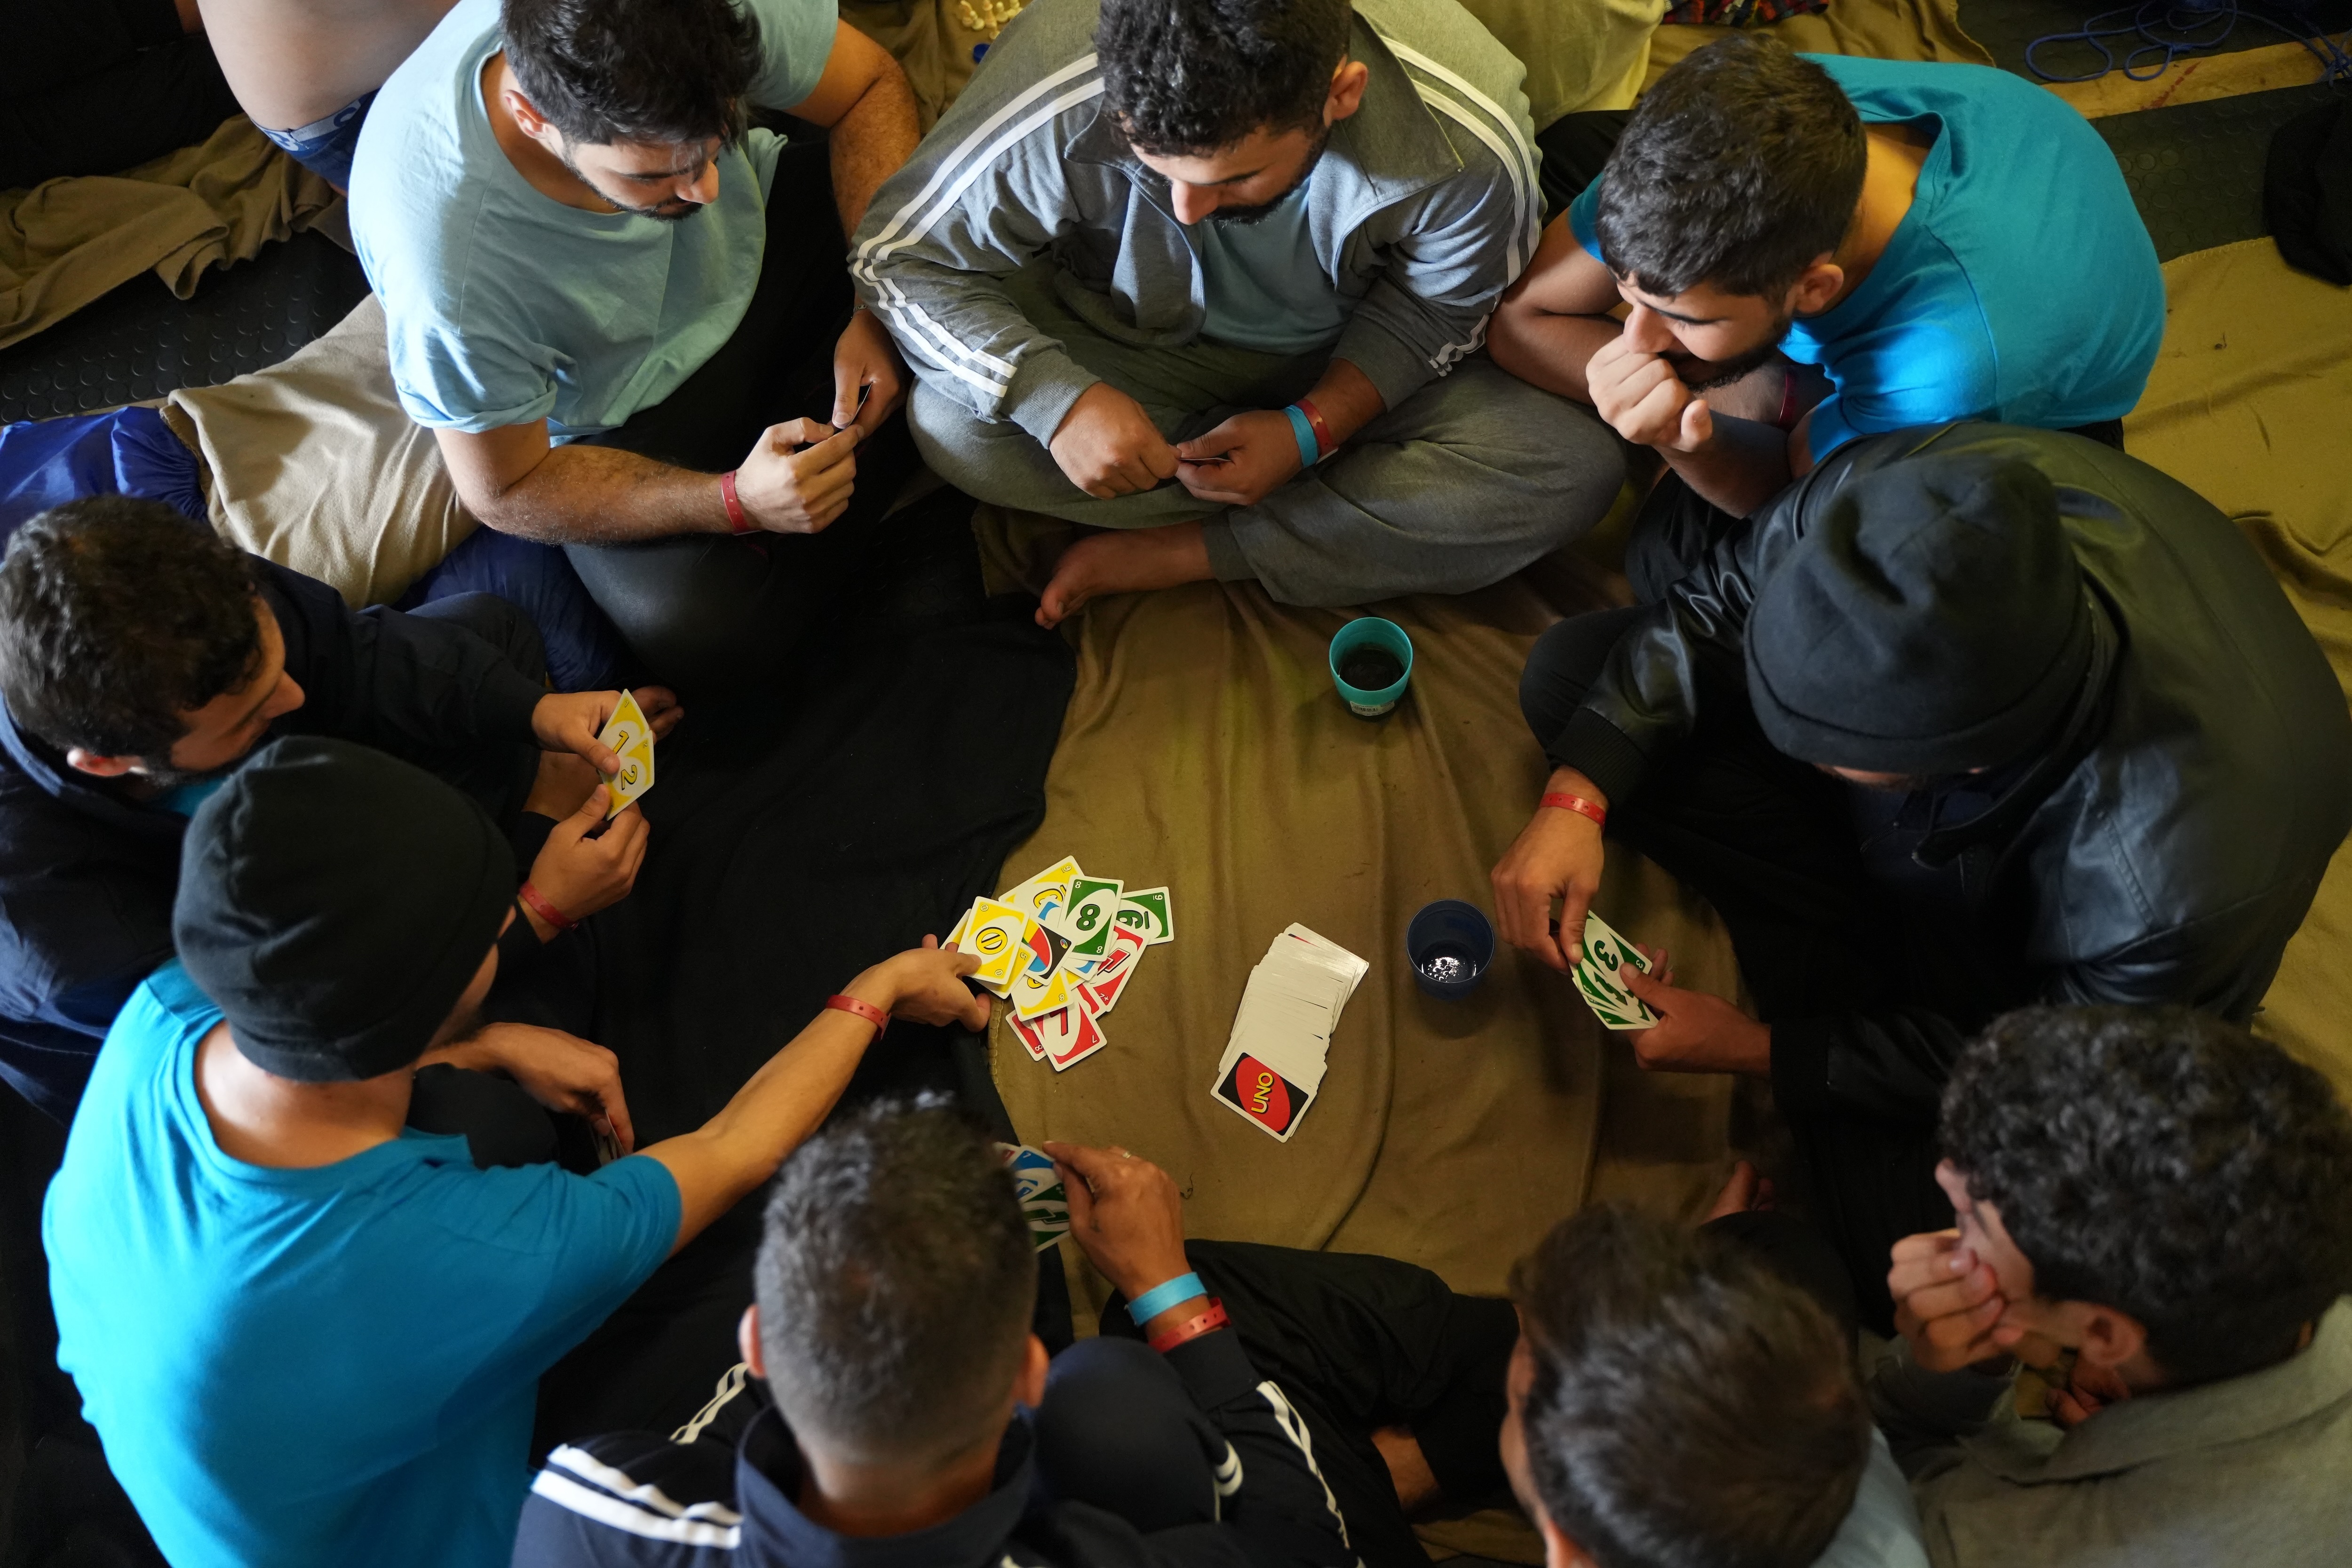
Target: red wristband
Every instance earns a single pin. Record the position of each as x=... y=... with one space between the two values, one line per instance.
x=737 y=519
x=1579 y=804
x=536 y=902
x=1323 y=441
x=866 y=1010
x=1207 y=1322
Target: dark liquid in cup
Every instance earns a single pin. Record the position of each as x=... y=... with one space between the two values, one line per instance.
x=1370 y=669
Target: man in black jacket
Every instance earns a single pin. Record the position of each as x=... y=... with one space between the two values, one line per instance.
x=916 y=1419
x=141 y=659
x=1968 y=717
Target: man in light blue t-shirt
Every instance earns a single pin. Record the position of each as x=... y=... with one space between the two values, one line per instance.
x=626 y=315
x=1942 y=242
x=306 y=1334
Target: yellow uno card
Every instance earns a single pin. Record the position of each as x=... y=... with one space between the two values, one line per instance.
x=1047 y=891
x=635 y=777
x=993 y=932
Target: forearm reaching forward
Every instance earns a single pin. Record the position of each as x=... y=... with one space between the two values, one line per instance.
x=735 y=1151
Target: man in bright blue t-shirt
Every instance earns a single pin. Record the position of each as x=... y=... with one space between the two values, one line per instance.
x=603 y=290
x=305 y=1334
x=1943 y=242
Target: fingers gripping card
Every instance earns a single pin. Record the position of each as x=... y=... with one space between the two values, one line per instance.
x=1605 y=951
x=627 y=725
x=631 y=737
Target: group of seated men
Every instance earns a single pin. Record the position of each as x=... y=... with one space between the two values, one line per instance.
x=2008 y=766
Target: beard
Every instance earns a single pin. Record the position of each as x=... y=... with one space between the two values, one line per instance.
x=670 y=211
x=1707 y=375
x=1242 y=217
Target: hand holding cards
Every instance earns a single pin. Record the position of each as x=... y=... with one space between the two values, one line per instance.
x=631 y=737
x=1274 y=1060
x=1605 y=951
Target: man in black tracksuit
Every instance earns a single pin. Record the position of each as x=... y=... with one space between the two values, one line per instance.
x=141 y=659
x=916 y=1419
x=1971 y=717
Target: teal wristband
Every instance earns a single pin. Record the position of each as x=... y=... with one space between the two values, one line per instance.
x=1310 y=450
x=1160 y=1298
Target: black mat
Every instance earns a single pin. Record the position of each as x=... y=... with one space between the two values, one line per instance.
x=2195 y=170
x=2006 y=28
x=138 y=342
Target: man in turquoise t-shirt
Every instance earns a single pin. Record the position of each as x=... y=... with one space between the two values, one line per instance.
x=305 y=1334
x=602 y=291
x=1943 y=242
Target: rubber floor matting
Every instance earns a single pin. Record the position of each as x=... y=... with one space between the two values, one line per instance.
x=138 y=342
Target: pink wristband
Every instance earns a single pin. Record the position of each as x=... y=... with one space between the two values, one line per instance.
x=1579 y=804
x=866 y=1010
x=737 y=519
x=538 y=904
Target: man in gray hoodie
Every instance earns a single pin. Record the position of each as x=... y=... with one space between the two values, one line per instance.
x=1214 y=275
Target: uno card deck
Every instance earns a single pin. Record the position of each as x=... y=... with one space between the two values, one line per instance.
x=1275 y=1059
x=1605 y=949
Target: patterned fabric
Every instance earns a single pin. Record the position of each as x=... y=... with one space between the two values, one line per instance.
x=1740 y=12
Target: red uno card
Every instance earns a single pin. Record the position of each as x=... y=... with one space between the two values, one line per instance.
x=1071 y=1035
x=1264 y=1096
x=1032 y=1032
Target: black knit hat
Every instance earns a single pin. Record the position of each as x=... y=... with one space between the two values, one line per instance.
x=335 y=904
x=1934 y=622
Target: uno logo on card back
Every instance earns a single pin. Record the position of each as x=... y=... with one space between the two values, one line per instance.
x=1262 y=1094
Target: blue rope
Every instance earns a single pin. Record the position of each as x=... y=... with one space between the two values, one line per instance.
x=2165 y=30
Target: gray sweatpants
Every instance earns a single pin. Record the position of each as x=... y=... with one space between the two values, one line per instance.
x=1469 y=479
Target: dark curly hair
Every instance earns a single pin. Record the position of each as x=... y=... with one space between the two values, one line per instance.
x=2164 y=1163
x=117 y=617
x=1690 y=1404
x=634 y=70
x=1738 y=169
x=1188 y=76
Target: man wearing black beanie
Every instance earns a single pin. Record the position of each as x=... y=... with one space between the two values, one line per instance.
x=1969 y=718
x=304 y=1333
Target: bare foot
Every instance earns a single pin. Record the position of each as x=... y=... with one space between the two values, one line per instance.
x=1744 y=1192
x=562 y=786
x=1123 y=561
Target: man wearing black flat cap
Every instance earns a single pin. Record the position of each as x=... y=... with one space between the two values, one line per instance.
x=306 y=1333
x=1968 y=717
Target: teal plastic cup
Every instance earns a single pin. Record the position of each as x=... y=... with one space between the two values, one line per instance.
x=1368 y=649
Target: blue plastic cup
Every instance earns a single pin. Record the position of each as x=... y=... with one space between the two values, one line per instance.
x=1370 y=635
x=1449 y=944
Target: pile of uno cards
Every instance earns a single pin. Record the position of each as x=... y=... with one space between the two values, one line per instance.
x=1273 y=1065
x=1596 y=976
x=1043 y=1202
x=633 y=738
x=1060 y=948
